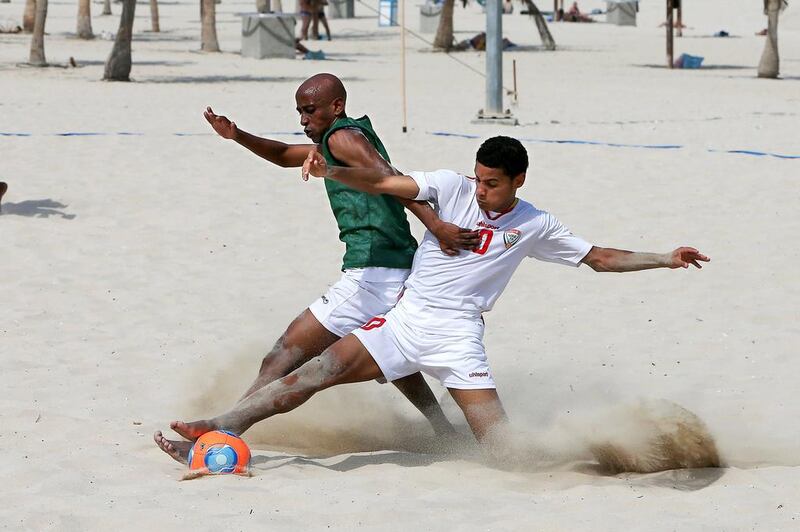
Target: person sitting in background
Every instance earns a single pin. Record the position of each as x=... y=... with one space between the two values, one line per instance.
x=479 y=43
x=574 y=15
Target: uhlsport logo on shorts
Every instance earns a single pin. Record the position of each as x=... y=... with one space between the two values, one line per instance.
x=479 y=374
x=511 y=237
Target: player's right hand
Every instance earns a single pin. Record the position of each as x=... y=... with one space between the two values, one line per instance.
x=224 y=127
x=314 y=165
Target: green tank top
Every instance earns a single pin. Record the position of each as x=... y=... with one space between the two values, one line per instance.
x=374 y=229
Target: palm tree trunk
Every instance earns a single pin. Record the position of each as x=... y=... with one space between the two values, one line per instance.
x=37 y=41
x=769 y=66
x=106 y=7
x=118 y=64
x=29 y=16
x=84 y=30
x=208 y=32
x=444 y=33
x=156 y=28
x=541 y=25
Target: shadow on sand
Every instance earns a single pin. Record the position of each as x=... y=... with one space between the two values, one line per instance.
x=43 y=208
x=356 y=461
x=94 y=62
x=677 y=479
x=226 y=79
x=219 y=79
x=681 y=479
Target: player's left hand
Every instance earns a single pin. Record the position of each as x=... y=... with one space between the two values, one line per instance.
x=453 y=238
x=314 y=165
x=684 y=256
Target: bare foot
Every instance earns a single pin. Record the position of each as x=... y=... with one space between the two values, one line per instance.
x=192 y=431
x=178 y=450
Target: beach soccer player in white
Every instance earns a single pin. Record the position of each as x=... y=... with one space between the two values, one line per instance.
x=437 y=325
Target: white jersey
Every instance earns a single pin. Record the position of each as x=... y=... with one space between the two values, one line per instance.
x=450 y=293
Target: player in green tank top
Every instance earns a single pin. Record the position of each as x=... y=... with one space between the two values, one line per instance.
x=374 y=229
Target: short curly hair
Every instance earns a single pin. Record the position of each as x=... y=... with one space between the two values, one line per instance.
x=505 y=153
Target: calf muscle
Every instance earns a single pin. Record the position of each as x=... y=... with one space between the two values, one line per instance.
x=346 y=361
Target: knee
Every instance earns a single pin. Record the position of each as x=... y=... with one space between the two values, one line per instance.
x=324 y=371
x=282 y=357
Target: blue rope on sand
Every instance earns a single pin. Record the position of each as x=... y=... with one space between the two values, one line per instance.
x=618 y=145
x=435 y=133
x=570 y=141
x=757 y=153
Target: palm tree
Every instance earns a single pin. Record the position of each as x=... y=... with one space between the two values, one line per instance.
x=769 y=66
x=84 y=30
x=28 y=16
x=541 y=25
x=36 y=57
x=118 y=64
x=154 y=16
x=208 y=31
x=444 y=33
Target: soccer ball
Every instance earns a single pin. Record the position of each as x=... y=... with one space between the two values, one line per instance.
x=218 y=452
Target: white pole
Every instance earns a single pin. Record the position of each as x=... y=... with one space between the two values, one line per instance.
x=403 y=60
x=494 y=57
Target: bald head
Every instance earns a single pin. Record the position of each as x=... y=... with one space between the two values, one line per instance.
x=320 y=102
x=323 y=88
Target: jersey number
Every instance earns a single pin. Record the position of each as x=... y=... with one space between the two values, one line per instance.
x=486 y=238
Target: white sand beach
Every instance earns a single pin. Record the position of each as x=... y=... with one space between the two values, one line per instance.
x=148 y=267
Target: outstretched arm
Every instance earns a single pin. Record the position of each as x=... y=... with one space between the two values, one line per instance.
x=353 y=149
x=274 y=151
x=619 y=260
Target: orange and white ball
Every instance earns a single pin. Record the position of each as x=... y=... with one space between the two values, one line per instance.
x=220 y=452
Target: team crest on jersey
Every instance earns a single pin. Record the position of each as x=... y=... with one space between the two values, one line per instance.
x=511 y=237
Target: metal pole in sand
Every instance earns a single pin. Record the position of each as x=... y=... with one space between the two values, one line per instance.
x=493 y=112
x=494 y=57
x=403 y=60
x=670 y=52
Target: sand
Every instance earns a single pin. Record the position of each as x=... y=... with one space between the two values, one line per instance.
x=144 y=276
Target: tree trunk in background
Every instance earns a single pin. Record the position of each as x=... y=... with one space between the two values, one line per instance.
x=84 y=29
x=37 y=41
x=118 y=64
x=541 y=25
x=444 y=33
x=769 y=66
x=106 y=7
x=154 y=16
x=29 y=16
x=208 y=32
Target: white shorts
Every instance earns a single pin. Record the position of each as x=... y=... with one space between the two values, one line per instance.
x=359 y=295
x=457 y=360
